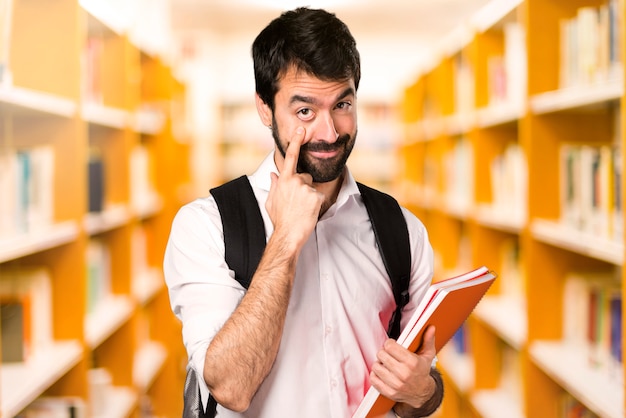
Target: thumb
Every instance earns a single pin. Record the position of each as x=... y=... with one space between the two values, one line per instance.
x=428 y=345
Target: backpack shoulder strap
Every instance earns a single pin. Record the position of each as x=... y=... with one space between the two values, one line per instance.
x=392 y=236
x=244 y=230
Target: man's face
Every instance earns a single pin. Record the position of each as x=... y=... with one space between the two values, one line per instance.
x=327 y=110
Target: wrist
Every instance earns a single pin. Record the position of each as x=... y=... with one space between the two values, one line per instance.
x=428 y=407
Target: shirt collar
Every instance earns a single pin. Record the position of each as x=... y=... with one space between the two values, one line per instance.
x=261 y=177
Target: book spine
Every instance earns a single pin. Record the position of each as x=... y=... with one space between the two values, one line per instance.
x=28 y=176
x=590 y=44
x=515 y=63
x=590 y=189
x=8 y=187
x=14 y=322
x=98 y=274
x=592 y=304
x=95 y=182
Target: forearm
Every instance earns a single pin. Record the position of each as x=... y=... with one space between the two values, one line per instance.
x=404 y=410
x=243 y=351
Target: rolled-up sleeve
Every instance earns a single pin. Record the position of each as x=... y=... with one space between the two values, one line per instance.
x=202 y=290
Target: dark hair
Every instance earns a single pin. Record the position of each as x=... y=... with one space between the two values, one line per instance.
x=312 y=40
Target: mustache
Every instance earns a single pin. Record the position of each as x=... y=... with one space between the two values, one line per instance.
x=326 y=146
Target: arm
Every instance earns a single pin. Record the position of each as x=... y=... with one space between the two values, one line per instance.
x=409 y=378
x=243 y=351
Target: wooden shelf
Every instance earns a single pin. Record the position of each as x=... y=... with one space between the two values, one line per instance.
x=38 y=240
x=562 y=236
x=578 y=97
x=21 y=383
x=146 y=285
x=148 y=121
x=598 y=392
x=497 y=115
x=148 y=207
x=459 y=367
x=496 y=218
x=109 y=315
x=491 y=14
x=27 y=102
x=111 y=218
x=499 y=90
x=496 y=403
x=149 y=361
x=506 y=316
x=80 y=89
x=459 y=123
x=120 y=403
x=105 y=116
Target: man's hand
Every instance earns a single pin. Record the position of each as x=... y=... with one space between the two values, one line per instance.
x=404 y=376
x=293 y=204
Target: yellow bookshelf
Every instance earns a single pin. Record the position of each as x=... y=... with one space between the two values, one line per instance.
x=524 y=117
x=76 y=90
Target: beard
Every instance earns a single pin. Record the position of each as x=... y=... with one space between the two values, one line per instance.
x=322 y=170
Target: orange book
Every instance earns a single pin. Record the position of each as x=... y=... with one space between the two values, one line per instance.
x=446 y=305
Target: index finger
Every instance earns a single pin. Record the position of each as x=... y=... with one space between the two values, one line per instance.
x=293 y=152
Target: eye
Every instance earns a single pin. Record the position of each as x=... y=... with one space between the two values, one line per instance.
x=305 y=113
x=344 y=105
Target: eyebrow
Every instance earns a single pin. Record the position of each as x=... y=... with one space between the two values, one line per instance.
x=296 y=98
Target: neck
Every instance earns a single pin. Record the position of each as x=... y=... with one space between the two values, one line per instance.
x=330 y=190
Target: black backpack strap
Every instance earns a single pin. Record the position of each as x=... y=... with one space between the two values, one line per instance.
x=392 y=236
x=244 y=230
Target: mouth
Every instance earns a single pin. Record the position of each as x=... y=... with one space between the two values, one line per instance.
x=323 y=154
x=323 y=150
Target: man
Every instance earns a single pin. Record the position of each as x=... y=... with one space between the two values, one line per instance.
x=308 y=337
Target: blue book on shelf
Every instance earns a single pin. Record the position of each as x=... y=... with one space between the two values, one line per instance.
x=616 y=326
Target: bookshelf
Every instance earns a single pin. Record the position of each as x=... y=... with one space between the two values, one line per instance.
x=536 y=190
x=93 y=155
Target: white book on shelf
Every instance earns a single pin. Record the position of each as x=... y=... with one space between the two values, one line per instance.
x=515 y=63
x=142 y=190
x=41 y=199
x=8 y=187
x=587 y=43
x=617 y=211
x=570 y=173
x=139 y=251
x=603 y=201
x=34 y=188
x=98 y=274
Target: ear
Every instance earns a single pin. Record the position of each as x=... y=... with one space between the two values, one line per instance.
x=264 y=111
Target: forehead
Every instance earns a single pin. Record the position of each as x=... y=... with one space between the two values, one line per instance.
x=298 y=83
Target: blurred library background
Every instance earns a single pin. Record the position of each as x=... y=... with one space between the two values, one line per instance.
x=497 y=122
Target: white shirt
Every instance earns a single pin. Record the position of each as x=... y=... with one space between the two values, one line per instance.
x=339 y=310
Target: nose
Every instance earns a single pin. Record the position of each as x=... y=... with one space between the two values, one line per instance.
x=325 y=128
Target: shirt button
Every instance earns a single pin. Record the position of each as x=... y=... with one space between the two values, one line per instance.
x=328 y=330
x=333 y=383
